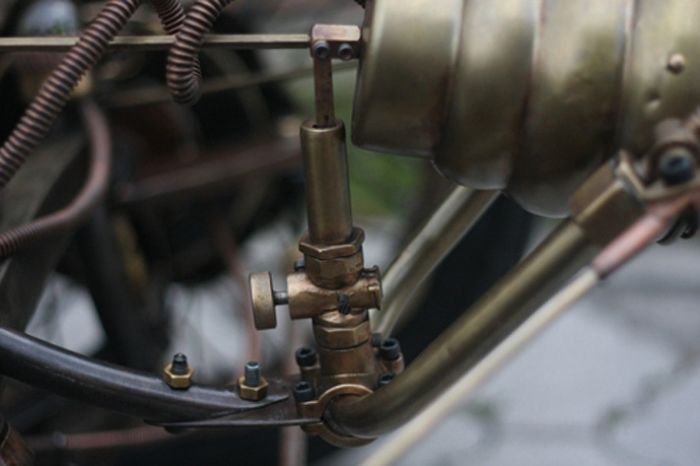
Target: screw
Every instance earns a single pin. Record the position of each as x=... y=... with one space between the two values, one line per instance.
x=346 y=52
x=299 y=265
x=344 y=304
x=676 y=63
x=677 y=167
x=306 y=357
x=179 y=365
x=386 y=378
x=303 y=391
x=321 y=50
x=252 y=374
x=390 y=349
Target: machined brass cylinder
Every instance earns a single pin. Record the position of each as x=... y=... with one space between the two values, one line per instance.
x=526 y=96
x=327 y=184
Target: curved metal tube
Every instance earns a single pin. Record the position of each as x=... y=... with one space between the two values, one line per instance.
x=455 y=217
x=91 y=194
x=470 y=339
x=68 y=374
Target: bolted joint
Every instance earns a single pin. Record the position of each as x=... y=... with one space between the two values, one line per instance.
x=252 y=386
x=178 y=373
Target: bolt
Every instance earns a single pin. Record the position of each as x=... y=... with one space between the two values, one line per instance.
x=303 y=391
x=299 y=265
x=386 y=378
x=344 y=304
x=179 y=365
x=677 y=167
x=252 y=374
x=306 y=357
x=676 y=63
x=346 y=52
x=321 y=50
x=390 y=349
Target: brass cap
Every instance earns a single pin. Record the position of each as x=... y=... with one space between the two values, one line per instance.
x=262 y=296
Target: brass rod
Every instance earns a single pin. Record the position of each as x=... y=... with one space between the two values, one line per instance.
x=323 y=92
x=471 y=338
x=159 y=42
x=410 y=435
x=455 y=217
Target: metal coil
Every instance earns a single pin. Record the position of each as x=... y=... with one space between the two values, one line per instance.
x=183 y=73
x=56 y=91
x=92 y=193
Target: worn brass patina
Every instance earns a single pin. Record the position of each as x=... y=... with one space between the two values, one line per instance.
x=525 y=96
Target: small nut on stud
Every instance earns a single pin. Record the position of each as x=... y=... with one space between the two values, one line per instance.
x=178 y=374
x=252 y=386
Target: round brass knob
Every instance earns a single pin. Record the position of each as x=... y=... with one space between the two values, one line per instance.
x=262 y=295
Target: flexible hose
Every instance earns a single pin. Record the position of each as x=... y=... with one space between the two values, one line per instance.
x=79 y=209
x=55 y=92
x=183 y=72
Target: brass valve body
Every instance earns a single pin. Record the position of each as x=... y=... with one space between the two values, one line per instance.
x=525 y=96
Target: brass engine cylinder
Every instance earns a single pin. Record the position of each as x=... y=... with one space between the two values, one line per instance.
x=526 y=96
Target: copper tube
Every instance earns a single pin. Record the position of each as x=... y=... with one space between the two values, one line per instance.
x=327 y=183
x=455 y=217
x=92 y=193
x=55 y=92
x=183 y=73
x=505 y=307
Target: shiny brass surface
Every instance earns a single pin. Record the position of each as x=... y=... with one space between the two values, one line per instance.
x=458 y=213
x=177 y=381
x=249 y=393
x=263 y=301
x=327 y=185
x=473 y=336
x=306 y=300
x=524 y=96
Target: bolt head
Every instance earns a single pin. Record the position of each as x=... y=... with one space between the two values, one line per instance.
x=303 y=392
x=677 y=167
x=306 y=357
x=390 y=349
x=346 y=52
x=321 y=50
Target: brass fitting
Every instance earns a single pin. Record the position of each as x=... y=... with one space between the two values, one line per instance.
x=177 y=381
x=249 y=393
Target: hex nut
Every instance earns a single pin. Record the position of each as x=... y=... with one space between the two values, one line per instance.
x=340 y=338
x=248 y=393
x=334 y=273
x=177 y=381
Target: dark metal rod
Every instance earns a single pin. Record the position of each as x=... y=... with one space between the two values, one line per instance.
x=159 y=42
x=68 y=374
x=471 y=338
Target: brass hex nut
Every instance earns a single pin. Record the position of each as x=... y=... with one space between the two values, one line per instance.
x=177 y=381
x=248 y=393
x=334 y=273
x=332 y=251
x=339 y=338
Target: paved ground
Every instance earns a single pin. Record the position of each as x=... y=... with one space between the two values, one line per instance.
x=616 y=381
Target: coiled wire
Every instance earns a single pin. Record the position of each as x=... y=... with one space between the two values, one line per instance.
x=83 y=204
x=183 y=73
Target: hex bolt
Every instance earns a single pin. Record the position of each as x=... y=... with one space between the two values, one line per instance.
x=252 y=374
x=303 y=391
x=346 y=52
x=321 y=50
x=390 y=349
x=344 y=304
x=677 y=167
x=179 y=364
x=386 y=378
x=306 y=357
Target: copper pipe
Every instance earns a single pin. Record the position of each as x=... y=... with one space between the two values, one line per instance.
x=92 y=193
x=183 y=73
x=455 y=217
x=56 y=91
x=482 y=328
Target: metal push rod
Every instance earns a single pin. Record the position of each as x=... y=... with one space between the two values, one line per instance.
x=159 y=42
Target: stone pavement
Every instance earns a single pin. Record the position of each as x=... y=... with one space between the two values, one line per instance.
x=616 y=381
